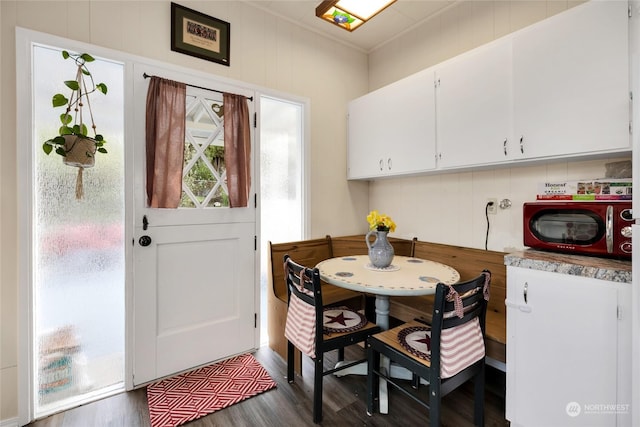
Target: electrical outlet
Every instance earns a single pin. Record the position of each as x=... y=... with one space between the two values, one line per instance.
x=494 y=207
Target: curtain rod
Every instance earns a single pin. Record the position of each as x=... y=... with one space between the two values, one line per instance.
x=250 y=98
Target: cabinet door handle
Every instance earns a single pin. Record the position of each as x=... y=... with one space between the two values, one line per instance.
x=504 y=146
x=609 y=229
x=525 y=292
x=389 y=163
x=522 y=144
x=381 y=165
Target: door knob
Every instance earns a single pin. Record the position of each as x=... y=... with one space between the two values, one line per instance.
x=144 y=241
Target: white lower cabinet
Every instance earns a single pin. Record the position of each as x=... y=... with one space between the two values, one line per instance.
x=568 y=350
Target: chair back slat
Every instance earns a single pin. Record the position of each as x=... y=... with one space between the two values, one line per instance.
x=473 y=296
x=303 y=281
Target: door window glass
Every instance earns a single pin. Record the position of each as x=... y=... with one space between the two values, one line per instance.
x=204 y=183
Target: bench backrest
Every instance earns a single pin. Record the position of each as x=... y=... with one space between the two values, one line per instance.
x=470 y=262
x=356 y=245
x=305 y=252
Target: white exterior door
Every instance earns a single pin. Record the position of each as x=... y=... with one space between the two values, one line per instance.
x=195 y=296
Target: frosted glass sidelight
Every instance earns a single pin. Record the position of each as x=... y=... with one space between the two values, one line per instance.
x=78 y=248
x=281 y=180
x=281 y=160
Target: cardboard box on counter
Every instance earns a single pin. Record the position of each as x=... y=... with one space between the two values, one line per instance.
x=601 y=189
x=584 y=197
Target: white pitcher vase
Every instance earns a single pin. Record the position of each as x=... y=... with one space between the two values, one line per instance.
x=380 y=252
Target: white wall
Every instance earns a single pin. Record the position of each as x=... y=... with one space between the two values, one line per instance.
x=265 y=51
x=450 y=208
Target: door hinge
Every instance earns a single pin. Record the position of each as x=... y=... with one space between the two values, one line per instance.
x=255 y=243
x=255 y=120
x=255 y=200
x=255 y=320
x=619 y=313
x=631 y=121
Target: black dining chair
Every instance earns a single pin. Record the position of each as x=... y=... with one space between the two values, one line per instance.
x=446 y=354
x=315 y=329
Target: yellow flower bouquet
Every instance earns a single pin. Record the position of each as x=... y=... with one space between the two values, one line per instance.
x=380 y=222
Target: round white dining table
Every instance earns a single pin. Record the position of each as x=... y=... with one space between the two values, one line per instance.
x=405 y=276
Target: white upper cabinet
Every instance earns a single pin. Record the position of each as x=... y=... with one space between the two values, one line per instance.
x=558 y=88
x=571 y=82
x=392 y=130
x=474 y=107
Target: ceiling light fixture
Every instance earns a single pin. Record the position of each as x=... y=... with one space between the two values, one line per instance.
x=350 y=14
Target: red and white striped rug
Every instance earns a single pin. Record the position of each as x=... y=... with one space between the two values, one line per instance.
x=186 y=397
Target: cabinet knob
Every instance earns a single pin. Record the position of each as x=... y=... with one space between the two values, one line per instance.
x=522 y=144
x=381 y=164
x=525 y=292
x=504 y=146
x=389 y=163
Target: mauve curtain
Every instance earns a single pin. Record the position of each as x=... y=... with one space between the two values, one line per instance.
x=165 y=130
x=237 y=149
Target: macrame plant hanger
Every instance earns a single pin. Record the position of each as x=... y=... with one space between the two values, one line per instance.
x=78 y=157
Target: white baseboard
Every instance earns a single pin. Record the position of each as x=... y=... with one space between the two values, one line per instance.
x=495 y=363
x=11 y=422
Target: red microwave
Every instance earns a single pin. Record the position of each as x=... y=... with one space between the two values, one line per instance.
x=599 y=228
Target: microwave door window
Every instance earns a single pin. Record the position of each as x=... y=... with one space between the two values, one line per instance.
x=577 y=228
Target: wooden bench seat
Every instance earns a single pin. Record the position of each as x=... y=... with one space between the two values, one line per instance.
x=467 y=261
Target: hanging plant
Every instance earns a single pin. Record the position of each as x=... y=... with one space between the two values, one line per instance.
x=73 y=142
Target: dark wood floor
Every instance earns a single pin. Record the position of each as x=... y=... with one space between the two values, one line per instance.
x=290 y=404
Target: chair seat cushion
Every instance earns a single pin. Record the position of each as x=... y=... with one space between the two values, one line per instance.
x=342 y=319
x=416 y=340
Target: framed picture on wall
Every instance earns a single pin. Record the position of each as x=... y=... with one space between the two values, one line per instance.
x=196 y=34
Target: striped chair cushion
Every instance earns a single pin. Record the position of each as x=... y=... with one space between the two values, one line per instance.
x=300 y=326
x=460 y=346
